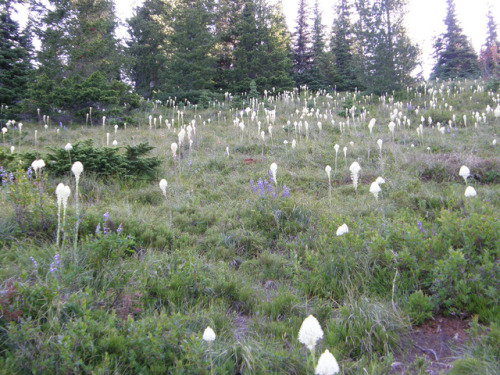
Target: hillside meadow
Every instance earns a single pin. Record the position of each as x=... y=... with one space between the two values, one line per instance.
x=122 y=275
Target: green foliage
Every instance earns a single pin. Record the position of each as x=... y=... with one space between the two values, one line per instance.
x=455 y=56
x=365 y=327
x=482 y=353
x=419 y=307
x=77 y=95
x=34 y=208
x=14 y=59
x=102 y=161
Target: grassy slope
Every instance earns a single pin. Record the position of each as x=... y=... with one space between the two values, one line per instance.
x=213 y=252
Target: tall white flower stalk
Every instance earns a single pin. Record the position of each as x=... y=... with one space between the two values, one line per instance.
x=310 y=333
x=77 y=170
x=327 y=364
x=173 y=148
x=379 y=143
x=336 y=148
x=62 y=192
x=59 y=195
x=355 y=168
x=375 y=189
x=464 y=173
x=209 y=336
x=392 y=127
x=274 y=168
x=328 y=171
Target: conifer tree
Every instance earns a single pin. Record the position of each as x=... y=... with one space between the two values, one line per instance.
x=148 y=48
x=302 y=46
x=191 y=65
x=14 y=57
x=341 y=47
x=389 y=57
x=262 y=52
x=455 y=56
x=490 y=53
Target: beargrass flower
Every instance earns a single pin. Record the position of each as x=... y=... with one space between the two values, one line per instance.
x=372 y=124
x=464 y=173
x=327 y=364
x=470 y=192
x=273 y=168
x=163 y=186
x=343 y=229
x=209 y=335
x=380 y=180
x=310 y=332
x=173 y=147
x=355 y=168
x=375 y=189
x=68 y=147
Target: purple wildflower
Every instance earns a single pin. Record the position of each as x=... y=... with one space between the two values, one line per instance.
x=119 y=230
x=55 y=263
x=254 y=187
x=106 y=216
x=286 y=192
x=35 y=264
x=260 y=185
x=420 y=227
x=98 y=228
x=29 y=173
x=190 y=162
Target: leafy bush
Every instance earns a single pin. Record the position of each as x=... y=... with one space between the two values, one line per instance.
x=102 y=161
x=419 y=307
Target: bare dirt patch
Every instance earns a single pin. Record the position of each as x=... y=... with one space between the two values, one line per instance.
x=438 y=340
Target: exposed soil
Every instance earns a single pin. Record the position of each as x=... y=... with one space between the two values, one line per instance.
x=438 y=340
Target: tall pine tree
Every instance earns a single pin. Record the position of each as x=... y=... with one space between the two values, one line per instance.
x=15 y=64
x=389 y=57
x=490 y=53
x=191 y=65
x=454 y=54
x=148 y=49
x=341 y=47
x=302 y=53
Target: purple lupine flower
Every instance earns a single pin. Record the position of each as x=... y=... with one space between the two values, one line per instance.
x=190 y=162
x=119 y=229
x=98 y=228
x=60 y=124
x=35 y=264
x=260 y=185
x=286 y=192
x=55 y=263
x=254 y=187
x=420 y=227
x=106 y=216
x=29 y=173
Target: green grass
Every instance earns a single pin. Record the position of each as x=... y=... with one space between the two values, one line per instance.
x=213 y=252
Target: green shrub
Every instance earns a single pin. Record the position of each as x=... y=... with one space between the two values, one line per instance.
x=419 y=307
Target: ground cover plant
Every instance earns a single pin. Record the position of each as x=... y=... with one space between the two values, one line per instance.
x=206 y=240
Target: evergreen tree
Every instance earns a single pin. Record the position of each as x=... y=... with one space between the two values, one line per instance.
x=389 y=56
x=228 y=13
x=262 y=51
x=341 y=47
x=455 y=56
x=302 y=48
x=148 y=48
x=490 y=53
x=191 y=65
x=77 y=38
x=14 y=57
x=319 y=62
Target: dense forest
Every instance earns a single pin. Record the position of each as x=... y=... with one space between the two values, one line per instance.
x=200 y=50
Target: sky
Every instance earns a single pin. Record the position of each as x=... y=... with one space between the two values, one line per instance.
x=424 y=20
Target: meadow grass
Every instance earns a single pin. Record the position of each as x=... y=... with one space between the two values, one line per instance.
x=249 y=261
